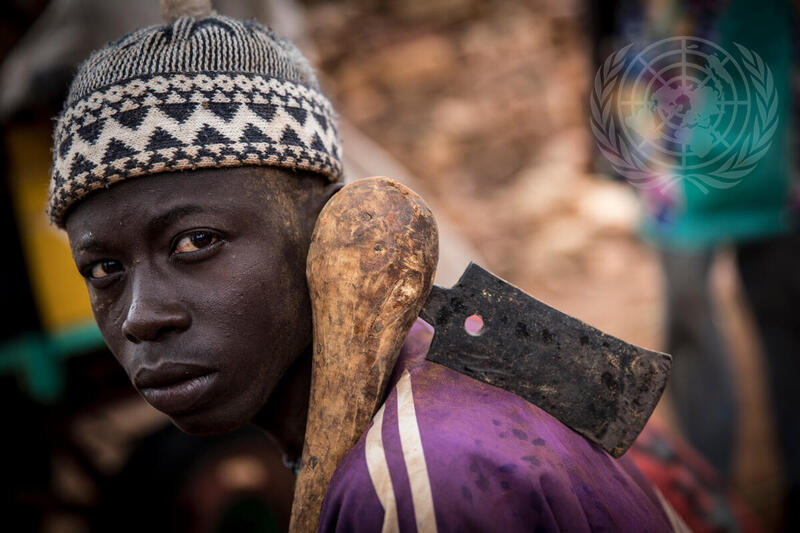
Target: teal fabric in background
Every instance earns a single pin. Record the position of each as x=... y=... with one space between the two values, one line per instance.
x=759 y=205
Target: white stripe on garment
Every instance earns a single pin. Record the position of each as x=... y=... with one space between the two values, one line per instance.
x=411 y=443
x=379 y=474
x=675 y=520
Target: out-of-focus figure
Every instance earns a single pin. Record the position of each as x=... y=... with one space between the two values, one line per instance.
x=757 y=215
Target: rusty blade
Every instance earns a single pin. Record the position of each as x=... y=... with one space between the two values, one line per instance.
x=596 y=384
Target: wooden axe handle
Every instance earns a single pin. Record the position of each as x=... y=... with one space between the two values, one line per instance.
x=370 y=268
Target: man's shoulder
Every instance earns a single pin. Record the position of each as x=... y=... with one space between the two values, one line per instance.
x=454 y=451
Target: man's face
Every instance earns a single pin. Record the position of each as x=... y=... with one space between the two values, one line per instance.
x=197 y=282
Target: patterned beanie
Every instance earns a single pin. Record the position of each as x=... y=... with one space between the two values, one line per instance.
x=195 y=93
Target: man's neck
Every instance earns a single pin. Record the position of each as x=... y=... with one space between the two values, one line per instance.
x=284 y=416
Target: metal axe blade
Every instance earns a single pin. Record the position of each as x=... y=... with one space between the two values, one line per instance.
x=598 y=385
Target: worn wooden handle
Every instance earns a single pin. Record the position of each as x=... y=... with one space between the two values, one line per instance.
x=370 y=268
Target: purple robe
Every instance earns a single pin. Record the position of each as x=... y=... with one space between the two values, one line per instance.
x=449 y=453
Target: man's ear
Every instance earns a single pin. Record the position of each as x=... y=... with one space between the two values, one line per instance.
x=318 y=201
x=324 y=195
x=330 y=190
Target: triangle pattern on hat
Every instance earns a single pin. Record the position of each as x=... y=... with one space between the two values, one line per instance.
x=179 y=112
x=290 y=137
x=117 y=149
x=252 y=134
x=90 y=132
x=209 y=135
x=321 y=120
x=316 y=143
x=180 y=154
x=65 y=145
x=132 y=118
x=58 y=179
x=298 y=113
x=156 y=157
x=224 y=110
x=265 y=111
x=161 y=139
x=80 y=164
x=214 y=123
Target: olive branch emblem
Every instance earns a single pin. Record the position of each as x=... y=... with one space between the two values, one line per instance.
x=645 y=173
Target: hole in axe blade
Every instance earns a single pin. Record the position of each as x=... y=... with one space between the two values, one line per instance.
x=474 y=325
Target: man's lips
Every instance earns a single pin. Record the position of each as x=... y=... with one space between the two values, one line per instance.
x=174 y=387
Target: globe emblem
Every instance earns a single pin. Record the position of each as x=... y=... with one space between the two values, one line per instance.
x=683 y=100
x=684 y=108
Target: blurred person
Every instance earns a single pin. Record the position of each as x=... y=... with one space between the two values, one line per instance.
x=191 y=161
x=689 y=223
x=694 y=488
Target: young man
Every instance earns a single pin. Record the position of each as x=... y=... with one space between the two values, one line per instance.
x=191 y=162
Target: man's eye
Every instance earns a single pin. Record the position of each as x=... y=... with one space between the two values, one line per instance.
x=192 y=242
x=105 y=268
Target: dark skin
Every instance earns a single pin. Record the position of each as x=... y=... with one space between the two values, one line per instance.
x=197 y=282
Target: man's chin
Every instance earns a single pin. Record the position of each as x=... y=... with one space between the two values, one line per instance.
x=201 y=424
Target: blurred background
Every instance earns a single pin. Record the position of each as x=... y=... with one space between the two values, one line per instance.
x=483 y=107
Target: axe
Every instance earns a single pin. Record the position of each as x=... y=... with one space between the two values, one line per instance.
x=370 y=274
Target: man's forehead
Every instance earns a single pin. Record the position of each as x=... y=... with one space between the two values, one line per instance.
x=162 y=199
x=84 y=241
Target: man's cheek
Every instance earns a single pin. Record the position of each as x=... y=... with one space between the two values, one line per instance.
x=109 y=318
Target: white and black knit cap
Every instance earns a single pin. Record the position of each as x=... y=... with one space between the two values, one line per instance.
x=202 y=92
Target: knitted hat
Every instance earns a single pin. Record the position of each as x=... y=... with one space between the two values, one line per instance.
x=195 y=93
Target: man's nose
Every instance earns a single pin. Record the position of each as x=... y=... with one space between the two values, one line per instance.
x=153 y=313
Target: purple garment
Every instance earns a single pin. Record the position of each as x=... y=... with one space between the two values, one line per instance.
x=489 y=461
